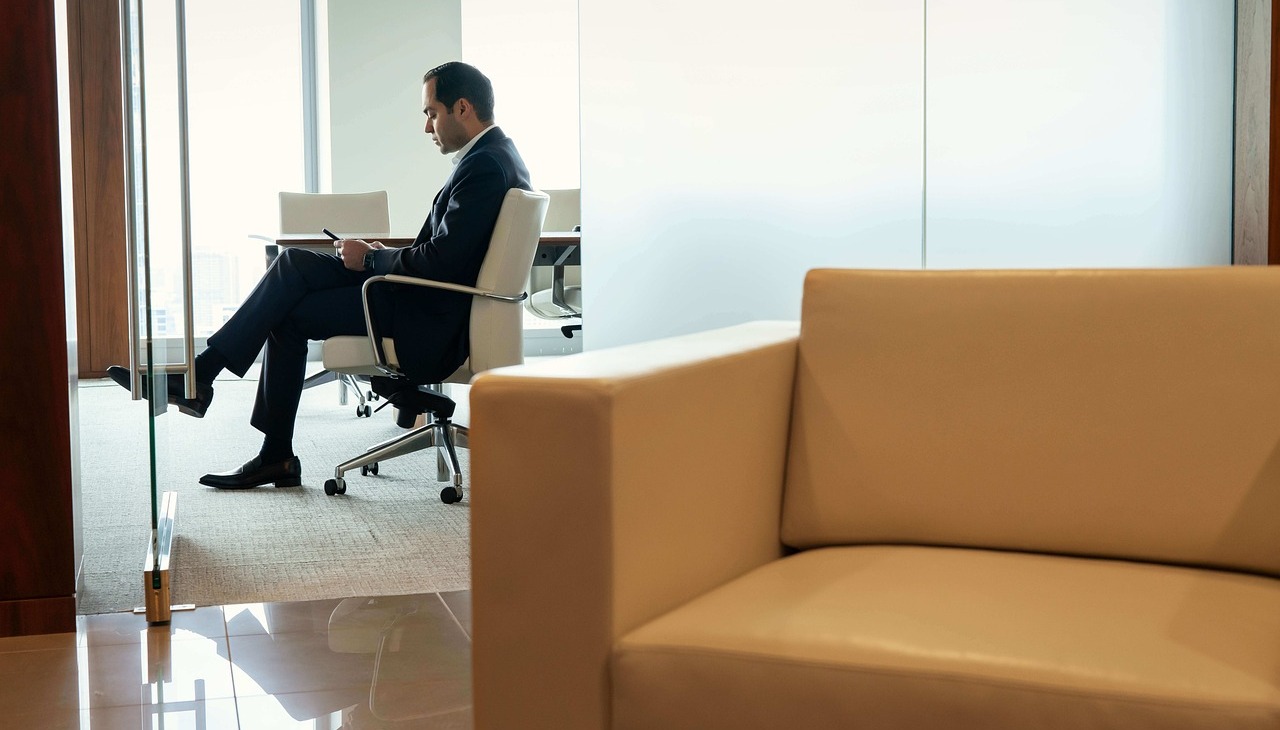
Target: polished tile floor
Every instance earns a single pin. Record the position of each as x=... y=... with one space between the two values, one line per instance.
x=355 y=663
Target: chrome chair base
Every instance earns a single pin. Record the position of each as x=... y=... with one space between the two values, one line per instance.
x=441 y=432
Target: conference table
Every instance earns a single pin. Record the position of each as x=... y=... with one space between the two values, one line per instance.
x=556 y=249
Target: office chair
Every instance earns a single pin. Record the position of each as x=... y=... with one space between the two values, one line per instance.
x=496 y=341
x=354 y=214
x=343 y=213
x=564 y=213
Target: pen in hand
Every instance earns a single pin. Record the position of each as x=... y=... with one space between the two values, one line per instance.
x=330 y=234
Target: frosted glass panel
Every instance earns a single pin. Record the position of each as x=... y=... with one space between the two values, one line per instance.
x=727 y=150
x=1080 y=133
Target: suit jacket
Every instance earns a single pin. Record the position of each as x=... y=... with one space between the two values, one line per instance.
x=430 y=325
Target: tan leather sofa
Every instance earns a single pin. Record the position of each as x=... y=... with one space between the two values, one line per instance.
x=977 y=500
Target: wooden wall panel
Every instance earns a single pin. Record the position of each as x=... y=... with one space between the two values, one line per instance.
x=37 y=570
x=76 y=81
x=98 y=152
x=37 y=616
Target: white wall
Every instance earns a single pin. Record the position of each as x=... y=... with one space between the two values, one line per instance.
x=726 y=149
x=377 y=53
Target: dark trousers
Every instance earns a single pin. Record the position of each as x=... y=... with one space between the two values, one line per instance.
x=305 y=295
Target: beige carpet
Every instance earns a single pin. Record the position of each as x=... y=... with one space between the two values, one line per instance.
x=388 y=535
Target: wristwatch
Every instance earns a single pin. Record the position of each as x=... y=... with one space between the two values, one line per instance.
x=368 y=261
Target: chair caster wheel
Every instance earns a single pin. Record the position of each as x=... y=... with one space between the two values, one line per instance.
x=364 y=411
x=368 y=469
x=335 y=486
x=449 y=495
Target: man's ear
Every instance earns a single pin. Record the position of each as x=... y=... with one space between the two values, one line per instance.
x=463 y=107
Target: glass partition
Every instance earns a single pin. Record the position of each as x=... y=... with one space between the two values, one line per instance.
x=211 y=141
x=151 y=121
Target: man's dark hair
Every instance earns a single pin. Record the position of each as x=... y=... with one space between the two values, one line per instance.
x=457 y=80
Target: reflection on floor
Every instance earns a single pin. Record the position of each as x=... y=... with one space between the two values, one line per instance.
x=355 y=663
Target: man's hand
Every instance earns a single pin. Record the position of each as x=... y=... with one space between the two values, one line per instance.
x=352 y=251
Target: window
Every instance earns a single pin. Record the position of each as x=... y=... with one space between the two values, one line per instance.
x=244 y=132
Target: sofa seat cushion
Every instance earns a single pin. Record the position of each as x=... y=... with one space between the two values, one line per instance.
x=920 y=637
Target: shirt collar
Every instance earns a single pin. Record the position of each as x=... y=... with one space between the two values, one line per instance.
x=457 y=157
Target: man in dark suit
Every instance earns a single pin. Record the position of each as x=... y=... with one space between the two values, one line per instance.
x=307 y=295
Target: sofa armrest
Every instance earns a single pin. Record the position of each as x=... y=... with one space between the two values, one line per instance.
x=608 y=488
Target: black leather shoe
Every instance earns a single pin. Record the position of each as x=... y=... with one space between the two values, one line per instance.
x=177 y=391
x=254 y=473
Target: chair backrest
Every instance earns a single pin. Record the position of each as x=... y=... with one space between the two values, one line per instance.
x=1130 y=414
x=342 y=213
x=497 y=328
x=564 y=213
x=564 y=209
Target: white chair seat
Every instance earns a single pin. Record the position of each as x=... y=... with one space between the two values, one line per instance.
x=541 y=305
x=353 y=354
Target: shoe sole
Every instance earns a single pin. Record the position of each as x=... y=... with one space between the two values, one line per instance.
x=173 y=400
x=284 y=482
x=183 y=408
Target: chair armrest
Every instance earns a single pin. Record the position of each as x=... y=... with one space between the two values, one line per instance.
x=608 y=488
x=415 y=281
x=380 y=357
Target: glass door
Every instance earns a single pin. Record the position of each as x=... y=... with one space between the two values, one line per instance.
x=159 y=241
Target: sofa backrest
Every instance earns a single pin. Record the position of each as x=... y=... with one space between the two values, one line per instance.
x=1127 y=413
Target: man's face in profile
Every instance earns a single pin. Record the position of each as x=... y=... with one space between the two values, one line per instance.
x=445 y=128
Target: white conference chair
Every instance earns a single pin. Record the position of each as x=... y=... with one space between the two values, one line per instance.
x=496 y=341
x=564 y=213
x=343 y=213
x=347 y=214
